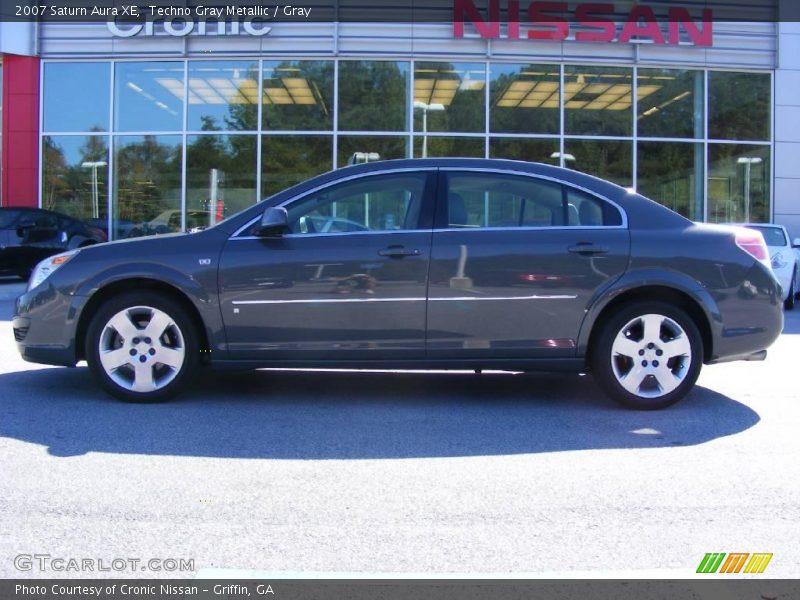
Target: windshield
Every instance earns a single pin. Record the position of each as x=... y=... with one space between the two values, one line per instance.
x=772 y=235
x=7 y=218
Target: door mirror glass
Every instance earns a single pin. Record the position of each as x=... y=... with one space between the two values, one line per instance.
x=274 y=222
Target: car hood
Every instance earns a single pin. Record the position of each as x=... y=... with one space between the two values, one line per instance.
x=148 y=239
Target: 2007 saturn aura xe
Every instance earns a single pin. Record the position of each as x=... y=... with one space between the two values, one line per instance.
x=416 y=264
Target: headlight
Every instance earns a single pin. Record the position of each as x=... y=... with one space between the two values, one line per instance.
x=46 y=268
x=779 y=262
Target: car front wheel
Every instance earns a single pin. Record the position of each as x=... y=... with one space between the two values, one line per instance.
x=142 y=347
x=648 y=355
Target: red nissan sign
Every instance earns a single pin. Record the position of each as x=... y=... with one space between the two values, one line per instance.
x=597 y=21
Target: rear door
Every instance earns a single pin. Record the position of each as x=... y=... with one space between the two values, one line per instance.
x=515 y=262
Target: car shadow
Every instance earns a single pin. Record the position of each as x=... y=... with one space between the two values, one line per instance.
x=337 y=415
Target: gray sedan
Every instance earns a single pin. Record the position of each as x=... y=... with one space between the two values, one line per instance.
x=448 y=264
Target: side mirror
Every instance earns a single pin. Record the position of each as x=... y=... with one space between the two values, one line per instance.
x=796 y=243
x=274 y=222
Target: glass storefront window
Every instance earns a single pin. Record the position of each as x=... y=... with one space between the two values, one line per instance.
x=671 y=173
x=373 y=95
x=355 y=149
x=439 y=146
x=738 y=183
x=298 y=95
x=290 y=159
x=148 y=96
x=220 y=177
x=535 y=150
x=598 y=100
x=524 y=98
x=449 y=97
x=75 y=96
x=386 y=110
x=223 y=95
x=75 y=177
x=147 y=184
x=739 y=106
x=670 y=103
x=608 y=159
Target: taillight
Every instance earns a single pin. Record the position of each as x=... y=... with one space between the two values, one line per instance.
x=753 y=243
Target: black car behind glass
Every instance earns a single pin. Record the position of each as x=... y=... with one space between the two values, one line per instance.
x=29 y=235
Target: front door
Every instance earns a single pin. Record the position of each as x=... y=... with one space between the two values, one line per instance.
x=347 y=281
x=515 y=262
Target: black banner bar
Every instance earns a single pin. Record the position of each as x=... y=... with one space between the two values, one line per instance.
x=399 y=11
x=428 y=589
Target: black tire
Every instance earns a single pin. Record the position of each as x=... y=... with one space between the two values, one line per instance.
x=788 y=304
x=650 y=395
x=179 y=335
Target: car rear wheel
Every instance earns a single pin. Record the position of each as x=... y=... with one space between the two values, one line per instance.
x=142 y=347
x=648 y=355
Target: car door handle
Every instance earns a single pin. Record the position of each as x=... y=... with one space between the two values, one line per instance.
x=398 y=252
x=588 y=249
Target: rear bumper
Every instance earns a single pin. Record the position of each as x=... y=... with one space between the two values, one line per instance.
x=750 y=317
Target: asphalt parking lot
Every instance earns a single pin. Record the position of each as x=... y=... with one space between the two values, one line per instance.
x=309 y=473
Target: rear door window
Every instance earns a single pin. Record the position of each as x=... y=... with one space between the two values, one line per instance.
x=499 y=200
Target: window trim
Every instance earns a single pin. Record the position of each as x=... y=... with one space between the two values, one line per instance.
x=565 y=184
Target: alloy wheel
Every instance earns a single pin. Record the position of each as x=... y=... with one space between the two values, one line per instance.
x=651 y=356
x=142 y=349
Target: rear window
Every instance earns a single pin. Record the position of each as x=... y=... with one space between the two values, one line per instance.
x=7 y=218
x=772 y=235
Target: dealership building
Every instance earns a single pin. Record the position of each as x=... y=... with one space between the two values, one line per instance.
x=178 y=123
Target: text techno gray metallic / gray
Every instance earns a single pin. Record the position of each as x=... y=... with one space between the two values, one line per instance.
x=416 y=264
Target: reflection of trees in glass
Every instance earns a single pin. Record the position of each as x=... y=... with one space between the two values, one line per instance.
x=461 y=92
x=373 y=95
x=667 y=103
x=739 y=105
x=240 y=112
x=607 y=159
x=537 y=85
x=67 y=186
x=288 y=105
x=386 y=147
x=728 y=195
x=54 y=186
x=595 y=87
x=667 y=173
x=287 y=160
x=536 y=150
x=234 y=158
x=451 y=147
x=148 y=176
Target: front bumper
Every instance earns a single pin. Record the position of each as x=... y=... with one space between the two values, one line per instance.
x=44 y=325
